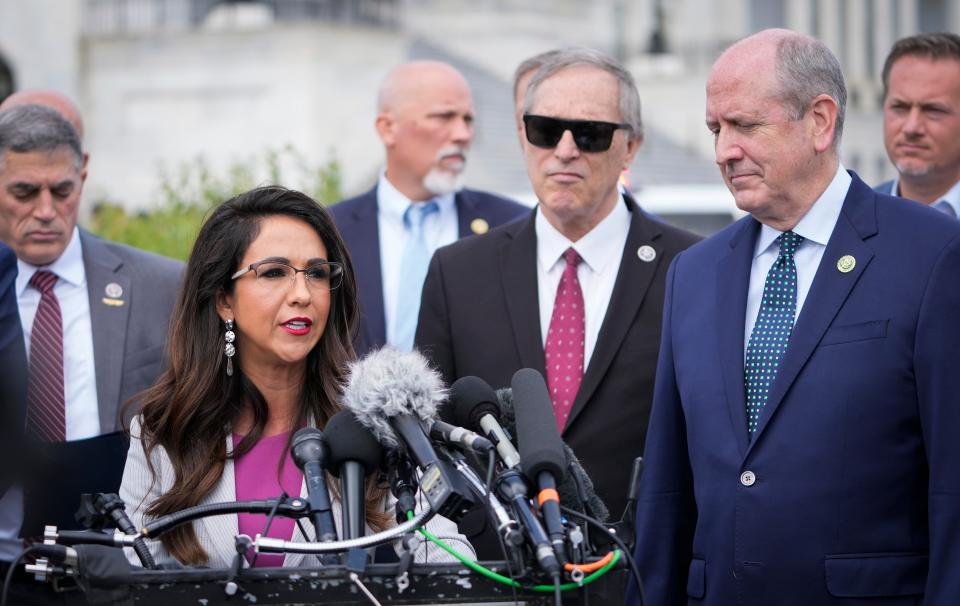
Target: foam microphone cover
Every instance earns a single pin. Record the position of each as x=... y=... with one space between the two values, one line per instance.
x=470 y=399
x=538 y=439
x=349 y=440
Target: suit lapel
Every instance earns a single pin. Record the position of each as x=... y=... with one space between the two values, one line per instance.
x=364 y=230
x=829 y=290
x=632 y=283
x=466 y=213
x=518 y=268
x=733 y=279
x=108 y=320
x=220 y=531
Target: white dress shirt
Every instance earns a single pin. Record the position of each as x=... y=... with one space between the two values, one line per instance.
x=601 y=250
x=816 y=227
x=952 y=197
x=439 y=229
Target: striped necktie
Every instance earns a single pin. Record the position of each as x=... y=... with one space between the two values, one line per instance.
x=46 y=413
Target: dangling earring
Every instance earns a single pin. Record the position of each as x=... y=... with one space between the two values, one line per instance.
x=229 y=350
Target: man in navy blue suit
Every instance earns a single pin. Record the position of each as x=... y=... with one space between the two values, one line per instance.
x=802 y=447
x=425 y=120
x=921 y=120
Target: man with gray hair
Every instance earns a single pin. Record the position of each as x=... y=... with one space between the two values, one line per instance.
x=921 y=120
x=574 y=291
x=803 y=442
x=425 y=121
x=94 y=316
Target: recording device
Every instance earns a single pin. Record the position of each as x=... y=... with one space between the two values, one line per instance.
x=474 y=405
x=541 y=449
x=354 y=455
x=395 y=394
x=309 y=452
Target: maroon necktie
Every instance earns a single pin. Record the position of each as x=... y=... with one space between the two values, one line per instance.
x=46 y=416
x=564 y=350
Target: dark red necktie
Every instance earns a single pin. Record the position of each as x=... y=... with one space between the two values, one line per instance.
x=564 y=349
x=46 y=415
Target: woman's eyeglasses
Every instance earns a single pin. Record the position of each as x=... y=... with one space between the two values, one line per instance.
x=327 y=275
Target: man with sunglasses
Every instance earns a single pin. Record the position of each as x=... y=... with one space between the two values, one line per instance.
x=803 y=442
x=576 y=290
x=425 y=121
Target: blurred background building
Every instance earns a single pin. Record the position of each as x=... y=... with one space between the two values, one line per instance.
x=166 y=84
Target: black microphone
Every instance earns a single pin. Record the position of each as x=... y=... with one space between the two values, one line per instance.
x=395 y=394
x=452 y=434
x=474 y=405
x=541 y=449
x=309 y=451
x=354 y=455
x=513 y=489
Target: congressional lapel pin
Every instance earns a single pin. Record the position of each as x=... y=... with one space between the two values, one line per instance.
x=113 y=291
x=479 y=226
x=846 y=263
x=646 y=253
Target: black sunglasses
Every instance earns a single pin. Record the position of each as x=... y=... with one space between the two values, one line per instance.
x=589 y=135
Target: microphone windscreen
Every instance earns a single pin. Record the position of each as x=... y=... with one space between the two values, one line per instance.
x=470 y=399
x=350 y=440
x=388 y=383
x=576 y=488
x=538 y=439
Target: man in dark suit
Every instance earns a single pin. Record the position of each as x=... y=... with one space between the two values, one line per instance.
x=921 y=120
x=494 y=304
x=425 y=120
x=803 y=443
x=100 y=309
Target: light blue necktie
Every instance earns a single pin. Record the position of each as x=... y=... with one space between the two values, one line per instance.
x=771 y=333
x=413 y=271
x=946 y=208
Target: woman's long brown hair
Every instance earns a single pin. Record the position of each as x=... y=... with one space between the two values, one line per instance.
x=189 y=409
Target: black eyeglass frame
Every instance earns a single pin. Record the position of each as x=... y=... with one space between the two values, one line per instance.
x=336 y=269
x=588 y=135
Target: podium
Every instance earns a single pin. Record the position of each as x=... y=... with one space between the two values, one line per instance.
x=428 y=584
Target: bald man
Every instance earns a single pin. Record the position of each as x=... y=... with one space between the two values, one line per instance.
x=425 y=121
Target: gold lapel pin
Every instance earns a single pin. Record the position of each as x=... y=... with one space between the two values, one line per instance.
x=479 y=226
x=112 y=302
x=846 y=263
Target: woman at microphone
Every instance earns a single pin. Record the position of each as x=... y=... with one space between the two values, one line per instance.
x=259 y=345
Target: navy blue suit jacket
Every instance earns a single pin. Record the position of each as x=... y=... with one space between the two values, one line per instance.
x=356 y=219
x=13 y=368
x=856 y=498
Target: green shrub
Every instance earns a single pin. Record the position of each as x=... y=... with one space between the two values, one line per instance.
x=187 y=196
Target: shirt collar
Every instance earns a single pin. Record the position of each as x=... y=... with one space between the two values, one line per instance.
x=601 y=246
x=68 y=267
x=817 y=225
x=392 y=204
x=952 y=197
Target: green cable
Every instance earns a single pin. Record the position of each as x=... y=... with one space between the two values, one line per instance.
x=507 y=580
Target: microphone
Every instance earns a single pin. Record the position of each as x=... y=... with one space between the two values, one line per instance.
x=451 y=434
x=354 y=455
x=475 y=405
x=309 y=452
x=394 y=394
x=541 y=449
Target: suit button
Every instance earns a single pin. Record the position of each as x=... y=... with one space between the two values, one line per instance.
x=748 y=478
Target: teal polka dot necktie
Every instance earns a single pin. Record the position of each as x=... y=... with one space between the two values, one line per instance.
x=771 y=332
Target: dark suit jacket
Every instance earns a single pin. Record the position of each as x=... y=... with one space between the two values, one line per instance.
x=856 y=497
x=129 y=336
x=356 y=219
x=13 y=370
x=479 y=316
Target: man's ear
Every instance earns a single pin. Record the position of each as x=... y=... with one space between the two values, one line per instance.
x=386 y=127
x=823 y=114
